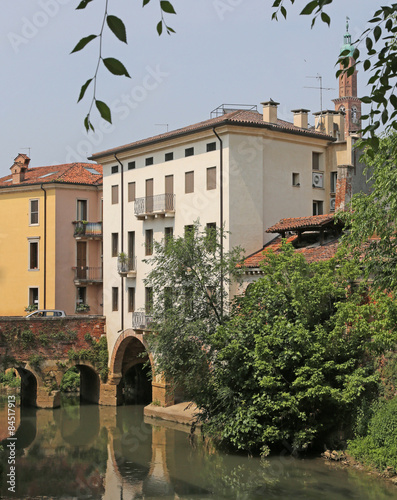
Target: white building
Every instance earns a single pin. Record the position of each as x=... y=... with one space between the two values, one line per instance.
x=272 y=169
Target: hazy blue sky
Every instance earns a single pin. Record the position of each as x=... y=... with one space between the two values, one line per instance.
x=224 y=51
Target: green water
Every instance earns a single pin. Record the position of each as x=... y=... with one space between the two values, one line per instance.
x=112 y=453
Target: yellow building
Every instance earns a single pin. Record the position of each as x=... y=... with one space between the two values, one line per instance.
x=51 y=238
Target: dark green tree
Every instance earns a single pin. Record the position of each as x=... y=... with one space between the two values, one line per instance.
x=190 y=280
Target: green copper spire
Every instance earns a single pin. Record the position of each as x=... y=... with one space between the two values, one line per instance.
x=347 y=40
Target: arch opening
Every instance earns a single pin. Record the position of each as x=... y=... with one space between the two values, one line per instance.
x=28 y=387
x=89 y=384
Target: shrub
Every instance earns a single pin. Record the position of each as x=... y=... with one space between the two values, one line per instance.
x=71 y=380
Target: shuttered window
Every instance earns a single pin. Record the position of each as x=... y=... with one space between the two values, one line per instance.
x=115 y=195
x=189 y=182
x=211 y=178
x=131 y=191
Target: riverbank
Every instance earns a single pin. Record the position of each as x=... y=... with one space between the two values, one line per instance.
x=342 y=460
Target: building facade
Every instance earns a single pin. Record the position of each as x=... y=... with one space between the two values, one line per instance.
x=157 y=187
x=51 y=238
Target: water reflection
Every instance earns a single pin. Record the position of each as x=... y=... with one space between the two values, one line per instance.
x=113 y=453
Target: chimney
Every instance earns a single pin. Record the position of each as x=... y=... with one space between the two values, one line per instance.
x=344 y=187
x=21 y=164
x=270 y=111
x=301 y=119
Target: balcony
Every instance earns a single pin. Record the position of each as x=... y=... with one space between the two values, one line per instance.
x=141 y=321
x=150 y=207
x=126 y=266
x=87 y=230
x=84 y=275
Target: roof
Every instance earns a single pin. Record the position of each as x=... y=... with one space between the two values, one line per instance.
x=315 y=253
x=69 y=173
x=236 y=117
x=296 y=223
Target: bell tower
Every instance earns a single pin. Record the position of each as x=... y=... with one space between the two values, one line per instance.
x=348 y=100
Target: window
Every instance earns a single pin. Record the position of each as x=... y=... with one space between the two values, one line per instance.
x=189 y=230
x=131 y=249
x=211 y=178
x=189 y=151
x=33 y=255
x=189 y=182
x=334 y=178
x=115 y=298
x=115 y=244
x=82 y=213
x=115 y=169
x=318 y=207
x=295 y=180
x=34 y=212
x=115 y=195
x=131 y=299
x=149 y=161
x=316 y=161
x=169 y=184
x=211 y=236
x=81 y=295
x=149 y=242
x=168 y=298
x=131 y=191
x=34 y=296
x=148 y=300
x=131 y=165
x=211 y=146
x=168 y=234
x=168 y=156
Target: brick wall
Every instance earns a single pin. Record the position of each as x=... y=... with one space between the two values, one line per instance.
x=50 y=338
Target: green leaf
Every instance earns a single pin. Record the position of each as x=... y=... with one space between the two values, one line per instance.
x=325 y=18
x=159 y=27
x=117 y=27
x=368 y=43
x=104 y=110
x=393 y=100
x=145 y=2
x=87 y=124
x=308 y=9
x=167 y=7
x=283 y=11
x=115 y=67
x=83 y=42
x=377 y=33
x=367 y=64
x=83 y=4
x=83 y=89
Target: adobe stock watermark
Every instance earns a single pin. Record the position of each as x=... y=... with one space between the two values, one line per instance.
x=30 y=27
x=225 y=7
x=121 y=108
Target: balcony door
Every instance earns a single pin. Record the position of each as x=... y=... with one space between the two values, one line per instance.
x=149 y=195
x=131 y=249
x=169 y=192
x=81 y=263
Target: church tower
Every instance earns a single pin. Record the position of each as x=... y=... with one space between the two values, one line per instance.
x=348 y=100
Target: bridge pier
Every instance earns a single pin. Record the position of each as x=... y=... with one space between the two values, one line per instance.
x=47 y=399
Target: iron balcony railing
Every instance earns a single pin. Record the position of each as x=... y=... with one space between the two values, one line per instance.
x=126 y=265
x=141 y=321
x=87 y=229
x=160 y=203
x=88 y=274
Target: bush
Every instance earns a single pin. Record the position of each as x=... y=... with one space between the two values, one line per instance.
x=379 y=447
x=9 y=379
x=71 y=381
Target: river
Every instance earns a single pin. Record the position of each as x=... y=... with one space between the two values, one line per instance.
x=88 y=451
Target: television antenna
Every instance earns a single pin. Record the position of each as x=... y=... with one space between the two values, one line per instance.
x=28 y=150
x=162 y=125
x=320 y=88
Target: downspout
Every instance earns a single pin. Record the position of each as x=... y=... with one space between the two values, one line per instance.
x=45 y=249
x=121 y=238
x=221 y=211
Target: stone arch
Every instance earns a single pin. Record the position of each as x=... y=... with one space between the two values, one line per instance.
x=89 y=380
x=127 y=353
x=30 y=383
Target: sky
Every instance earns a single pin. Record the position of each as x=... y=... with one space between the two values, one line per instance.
x=223 y=52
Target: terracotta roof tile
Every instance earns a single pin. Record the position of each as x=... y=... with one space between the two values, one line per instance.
x=312 y=253
x=236 y=117
x=294 y=223
x=73 y=173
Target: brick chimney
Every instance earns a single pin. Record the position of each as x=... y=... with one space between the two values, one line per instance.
x=21 y=164
x=344 y=189
x=301 y=118
x=270 y=111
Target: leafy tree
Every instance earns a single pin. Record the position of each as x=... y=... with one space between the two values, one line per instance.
x=295 y=359
x=190 y=279
x=371 y=223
